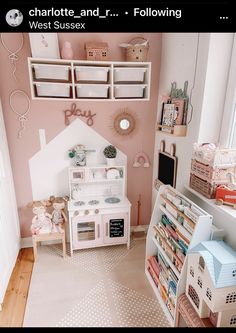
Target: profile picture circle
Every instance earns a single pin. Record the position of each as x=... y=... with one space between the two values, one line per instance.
x=14 y=17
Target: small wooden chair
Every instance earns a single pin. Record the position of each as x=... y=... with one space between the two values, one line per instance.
x=49 y=237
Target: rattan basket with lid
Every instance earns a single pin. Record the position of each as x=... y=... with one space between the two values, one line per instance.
x=137 y=49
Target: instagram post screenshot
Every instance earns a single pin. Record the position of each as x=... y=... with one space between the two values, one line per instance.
x=118 y=164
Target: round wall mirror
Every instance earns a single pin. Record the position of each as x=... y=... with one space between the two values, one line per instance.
x=124 y=123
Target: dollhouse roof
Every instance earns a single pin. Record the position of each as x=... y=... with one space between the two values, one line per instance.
x=220 y=260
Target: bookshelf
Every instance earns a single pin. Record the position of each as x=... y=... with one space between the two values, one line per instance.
x=177 y=224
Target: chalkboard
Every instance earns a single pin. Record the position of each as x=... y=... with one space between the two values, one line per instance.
x=167 y=168
x=116 y=228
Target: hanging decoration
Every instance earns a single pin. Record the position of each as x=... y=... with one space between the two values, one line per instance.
x=139 y=157
x=22 y=117
x=13 y=54
x=124 y=122
x=74 y=111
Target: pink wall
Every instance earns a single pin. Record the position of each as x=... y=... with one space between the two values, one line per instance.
x=49 y=115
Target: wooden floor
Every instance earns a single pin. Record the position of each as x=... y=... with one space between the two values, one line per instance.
x=12 y=314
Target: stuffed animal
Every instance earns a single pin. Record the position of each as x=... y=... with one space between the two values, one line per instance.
x=58 y=215
x=41 y=222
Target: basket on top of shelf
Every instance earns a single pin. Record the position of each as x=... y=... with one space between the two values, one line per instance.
x=210 y=167
x=206 y=188
x=136 y=49
x=208 y=173
x=210 y=154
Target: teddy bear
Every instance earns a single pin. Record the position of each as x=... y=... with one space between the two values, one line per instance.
x=41 y=222
x=58 y=215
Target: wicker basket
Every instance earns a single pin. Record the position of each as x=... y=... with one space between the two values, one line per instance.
x=204 y=187
x=137 y=51
x=216 y=157
x=209 y=173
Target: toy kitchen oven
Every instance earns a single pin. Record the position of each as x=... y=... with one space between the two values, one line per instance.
x=99 y=211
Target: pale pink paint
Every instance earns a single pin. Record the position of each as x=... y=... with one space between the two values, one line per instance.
x=49 y=115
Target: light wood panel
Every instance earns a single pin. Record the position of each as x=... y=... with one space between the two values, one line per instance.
x=14 y=303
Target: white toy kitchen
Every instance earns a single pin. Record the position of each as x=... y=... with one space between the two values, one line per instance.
x=99 y=211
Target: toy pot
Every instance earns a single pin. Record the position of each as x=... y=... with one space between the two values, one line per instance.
x=110 y=161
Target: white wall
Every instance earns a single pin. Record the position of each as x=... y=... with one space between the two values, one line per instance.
x=219 y=56
x=9 y=221
x=49 y=167
x=208 y=98
x=178 y=60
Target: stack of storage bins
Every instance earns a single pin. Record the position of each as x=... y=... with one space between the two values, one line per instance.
x=209 y=168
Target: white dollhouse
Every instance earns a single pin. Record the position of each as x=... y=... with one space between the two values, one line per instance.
x=211 y=282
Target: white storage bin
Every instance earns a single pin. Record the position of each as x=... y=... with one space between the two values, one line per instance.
x=53 y=89
x=85 y=73
x=128 y=91
x=53 y=72
x=129 y=74
x=92 y=90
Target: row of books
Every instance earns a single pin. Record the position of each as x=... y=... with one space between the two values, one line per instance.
x=170 y=240
x=165 y=279
x=173 y=113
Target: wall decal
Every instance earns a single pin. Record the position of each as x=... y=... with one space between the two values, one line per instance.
x=138 y=158
x=13 y=54
x=74 y=111
x=44 y=45
x=21 y=116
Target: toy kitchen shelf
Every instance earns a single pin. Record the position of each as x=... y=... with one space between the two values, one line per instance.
x=89 y=80
x=99 y=211
x=177 y=224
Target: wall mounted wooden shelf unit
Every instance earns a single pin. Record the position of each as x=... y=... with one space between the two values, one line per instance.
x=178 y=130
x=53 y=79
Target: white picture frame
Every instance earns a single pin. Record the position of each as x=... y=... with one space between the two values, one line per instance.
x=44 y=45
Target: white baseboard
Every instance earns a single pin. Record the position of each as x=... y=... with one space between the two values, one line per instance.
x=26 y=242
x=145 y=226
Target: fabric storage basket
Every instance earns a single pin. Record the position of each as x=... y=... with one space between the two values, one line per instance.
x=86 y=73
x=209 y=173
x=129 y=74
x=138 y=50
x=53 y=72
x=53 y=89
x=214 y=157
x=203 y=187
x=134 y=91
x=91 y=91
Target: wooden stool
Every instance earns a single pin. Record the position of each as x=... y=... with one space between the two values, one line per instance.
x=189 y=314
x=49 y=237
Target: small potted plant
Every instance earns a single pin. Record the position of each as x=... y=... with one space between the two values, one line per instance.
x=110 y=153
